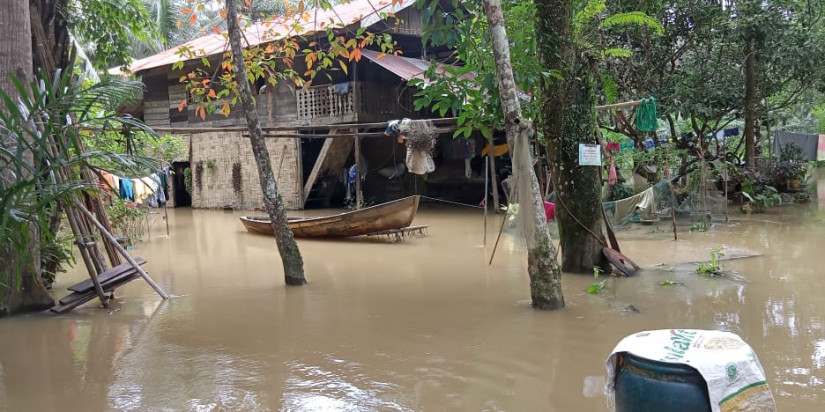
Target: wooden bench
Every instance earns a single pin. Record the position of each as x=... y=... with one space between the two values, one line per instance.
x=109 y=280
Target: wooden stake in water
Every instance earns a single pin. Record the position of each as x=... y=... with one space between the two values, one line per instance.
x=484 y=202
x=725 y=172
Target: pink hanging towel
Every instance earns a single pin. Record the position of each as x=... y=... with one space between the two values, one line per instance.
x=611 y=174
x=820 y=148
x=549 y=210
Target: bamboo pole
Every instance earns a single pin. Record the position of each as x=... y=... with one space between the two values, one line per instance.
x=84 y=242
x=182 y=130
x=623 y=105
x=108 y=236
x=338 y=136
x=81 y=243
x=500 y=230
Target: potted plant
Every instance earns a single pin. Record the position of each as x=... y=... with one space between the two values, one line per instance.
x=791 y=169
x=790 y=172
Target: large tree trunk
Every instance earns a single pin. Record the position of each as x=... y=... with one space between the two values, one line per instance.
x=542 y=267
x=567 y=108
x=20 y=282
x=750 y=102
x=288 y=248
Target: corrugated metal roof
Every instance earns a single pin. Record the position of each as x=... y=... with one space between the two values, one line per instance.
x=365 y=12
x=405 y=67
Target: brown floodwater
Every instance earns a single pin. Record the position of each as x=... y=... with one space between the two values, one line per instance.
x=421 y=325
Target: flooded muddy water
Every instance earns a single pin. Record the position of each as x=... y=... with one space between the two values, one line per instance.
x=421 y=325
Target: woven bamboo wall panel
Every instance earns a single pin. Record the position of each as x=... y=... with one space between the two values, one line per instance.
x=221 y=150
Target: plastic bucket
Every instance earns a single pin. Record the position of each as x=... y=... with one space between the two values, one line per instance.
x=644 y=385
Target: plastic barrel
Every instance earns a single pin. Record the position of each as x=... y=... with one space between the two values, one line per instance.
x=644 y=385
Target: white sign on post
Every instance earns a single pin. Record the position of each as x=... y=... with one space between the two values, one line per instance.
x=590 y=155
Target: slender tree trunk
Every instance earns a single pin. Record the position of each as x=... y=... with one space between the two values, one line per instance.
x=568 y=119
x=750 y=102
x=20 y=283
x=542 y=267
x=288 y=248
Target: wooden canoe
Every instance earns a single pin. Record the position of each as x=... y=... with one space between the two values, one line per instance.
x=386 y=216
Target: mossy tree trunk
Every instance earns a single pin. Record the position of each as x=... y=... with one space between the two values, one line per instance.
x=542 y=266
x=568 y=119
x=20 y=284
x=287 y=246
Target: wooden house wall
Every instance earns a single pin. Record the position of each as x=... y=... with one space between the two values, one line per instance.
x=410 y=22
x=156 y=98
x=382 y=95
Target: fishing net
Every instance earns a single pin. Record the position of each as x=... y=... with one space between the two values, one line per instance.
x=662 y=200
x=522 y=191
x=420 y=137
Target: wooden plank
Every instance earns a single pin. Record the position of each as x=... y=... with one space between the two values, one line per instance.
x=328 y=157
x=76 y=299
x=106 y=276
x=316 y=169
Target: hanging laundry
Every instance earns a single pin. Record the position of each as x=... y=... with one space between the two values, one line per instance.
x=549 y=210
x=612 y=147
x=151 y=183
x=106 y=184
x=164 y=183
x=807 y=142
x=127 y=191
x=642 y=203
x=625 y=147
x=611 y=173
x=649 y=144
x=820 y=148
x=157 y=198
x=142 y=191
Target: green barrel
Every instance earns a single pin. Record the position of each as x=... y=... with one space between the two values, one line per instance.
x=644 y=385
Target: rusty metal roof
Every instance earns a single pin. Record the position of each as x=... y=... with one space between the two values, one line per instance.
x=405 y=67
x=362 y=12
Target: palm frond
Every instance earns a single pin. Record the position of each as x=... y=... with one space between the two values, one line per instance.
x=40 y=138
x=632 y=18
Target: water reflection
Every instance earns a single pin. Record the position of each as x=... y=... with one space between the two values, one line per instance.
x=422 y=325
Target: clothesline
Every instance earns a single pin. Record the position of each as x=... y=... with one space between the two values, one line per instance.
x=151 y=189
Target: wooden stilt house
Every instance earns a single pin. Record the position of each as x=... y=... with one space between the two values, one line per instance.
x=373 y=89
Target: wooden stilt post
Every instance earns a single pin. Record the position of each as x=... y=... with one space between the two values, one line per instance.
x=491 y=157
x=108 y=236
x=486 y=181
x=725 y=176
x=359 y=195
x=673 y=219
